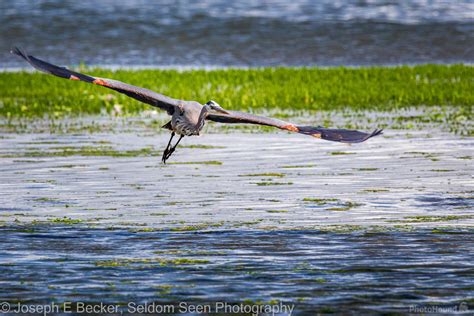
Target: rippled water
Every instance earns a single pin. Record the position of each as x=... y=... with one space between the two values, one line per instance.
x=345 y=272
x=238 y=33
x=382 y=226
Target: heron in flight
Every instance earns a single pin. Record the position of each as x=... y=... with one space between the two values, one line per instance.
x=188 y=117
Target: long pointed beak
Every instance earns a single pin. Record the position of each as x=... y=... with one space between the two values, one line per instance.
x=219 y=109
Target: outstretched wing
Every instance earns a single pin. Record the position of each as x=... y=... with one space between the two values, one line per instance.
x=140 y=94
x=336 y=135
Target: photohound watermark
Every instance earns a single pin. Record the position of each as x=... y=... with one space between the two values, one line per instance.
x=439 y=309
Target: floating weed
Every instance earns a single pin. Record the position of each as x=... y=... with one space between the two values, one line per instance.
x=465 y=157
x=85 y=151
x=341 y=153
x=196 y=227
x=65 y=220
x=320 y=201
x=441 y=170
x=248 y=223
x=144 y=230
x=345 y=207
x=111 y=263
x=431 y=218
x=267 y=174
x=267 y=183
x=152 y=261
x=366 y=169
x=297 y=166
x=277 y=211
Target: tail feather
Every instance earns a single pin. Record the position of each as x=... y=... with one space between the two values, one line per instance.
x=338 y=135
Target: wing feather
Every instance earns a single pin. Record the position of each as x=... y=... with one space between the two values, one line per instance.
x=336 y=135
x=140 y=94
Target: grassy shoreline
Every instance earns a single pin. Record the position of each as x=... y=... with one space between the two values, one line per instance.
x=26 y=94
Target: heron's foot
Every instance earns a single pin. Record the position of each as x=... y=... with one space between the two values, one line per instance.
x=170 y=150
x=167 y=154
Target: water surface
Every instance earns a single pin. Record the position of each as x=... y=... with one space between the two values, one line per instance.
x=89 y=213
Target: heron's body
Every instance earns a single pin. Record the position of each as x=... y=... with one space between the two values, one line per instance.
x=188 y=117
x=186 y=120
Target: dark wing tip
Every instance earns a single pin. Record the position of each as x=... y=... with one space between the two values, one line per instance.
x=376 y=132
x=18 y=51
x=338 y=135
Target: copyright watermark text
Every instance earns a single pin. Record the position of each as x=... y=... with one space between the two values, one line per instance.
x=146 y=308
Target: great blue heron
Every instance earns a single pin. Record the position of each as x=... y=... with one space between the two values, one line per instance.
x=188 y=117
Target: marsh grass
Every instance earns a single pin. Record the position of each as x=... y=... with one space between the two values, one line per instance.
x=32 y=94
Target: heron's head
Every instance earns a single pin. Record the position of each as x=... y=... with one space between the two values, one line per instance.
x=213 y=105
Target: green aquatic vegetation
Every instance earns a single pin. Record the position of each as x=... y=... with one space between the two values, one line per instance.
x=34 y=94
x=65 y=220
x=277 y=211
x=465 y=157
x=159 y=261
x=111 y=263
x=297 y=166
x=144 y=230
x=196 y=227
x=345 y=207
x=267 y=183
x=430 y=156
x=247 y=223
x=201 y=146
x=85 y=151
x=339 y=205
x=136 y=186
x=340 y=153
x=266 y=174
x=442 y=170
x=447 y=231
x=208 y=162
x=164 y=289
x=320 y=201
x=431 y=218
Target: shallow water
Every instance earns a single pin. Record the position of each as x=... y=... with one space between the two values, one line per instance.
x=272 y=217
x=240 y=33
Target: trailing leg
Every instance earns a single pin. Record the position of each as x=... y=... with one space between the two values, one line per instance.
x=165 y=153
x=172 y=149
